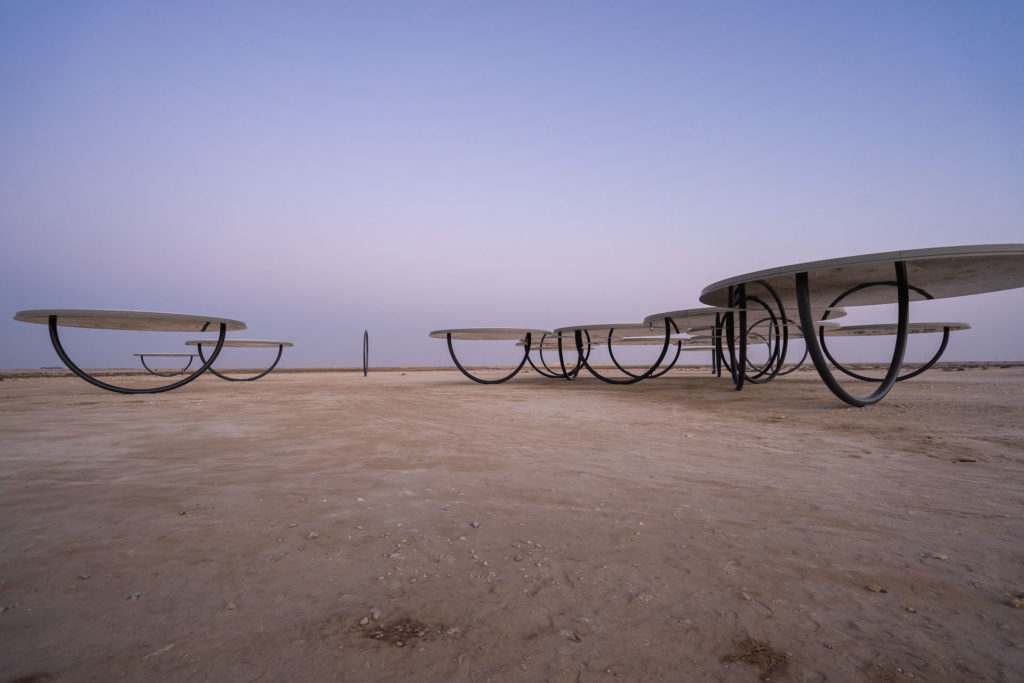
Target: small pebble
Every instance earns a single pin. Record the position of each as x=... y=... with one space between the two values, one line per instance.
x=364 y=621
x=231 y=605
x=875 y=588
x=475 y=524
x=939 y=556
x=311 y=535
x=375 y=614
x=292 y=525
x=1015 y=602
x=911 y=610
x=134 y=596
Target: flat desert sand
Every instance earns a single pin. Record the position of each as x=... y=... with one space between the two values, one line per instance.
x=416 y=526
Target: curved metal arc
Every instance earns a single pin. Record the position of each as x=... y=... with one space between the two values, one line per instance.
x=526 y=356
x=633 y=379
x=773 y=349
x=59 y=348
x=777 y=352
x=280 y=349
x=366 y=352
x=581 y=356
x=818 y=357
x=672 y=363
x=142 y=357
x=864 y=378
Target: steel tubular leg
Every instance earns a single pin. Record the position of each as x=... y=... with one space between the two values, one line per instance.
x=581 y=357
x=547 y=371
x=716 y=353
x=526 y=355
x=803 y=297
x=737 y=362
x=55 y=340
x=280 y=349
x=142 y=357
x=366 y=352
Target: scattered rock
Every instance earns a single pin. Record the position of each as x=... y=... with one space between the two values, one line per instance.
x=364 y=621
x=134 y=596
x=398 y=633
x=475 y=524
x=875 y=588
x=230 y=605
x=312 y=535
x=911 y=610
x=1016 y=601
x=939 y=556
x=375 y=614
x=771 y=664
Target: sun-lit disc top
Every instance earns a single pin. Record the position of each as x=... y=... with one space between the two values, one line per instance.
x=690 y=317
x=129 y=320
x=890 y=328
x=490 y=333
x=166 y=355
x=942 y=272
x=616 y=330
x=239 y=343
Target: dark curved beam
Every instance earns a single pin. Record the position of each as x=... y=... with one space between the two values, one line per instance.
x=633 y=379
x=142 y=357
x=526 y=355
x=59 y=348
x=280 y=349
x=864 y=378
x=803 y=297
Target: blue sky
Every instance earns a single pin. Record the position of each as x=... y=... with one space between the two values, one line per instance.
x=317 y=169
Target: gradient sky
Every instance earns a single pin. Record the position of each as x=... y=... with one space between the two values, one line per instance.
x=317 y=169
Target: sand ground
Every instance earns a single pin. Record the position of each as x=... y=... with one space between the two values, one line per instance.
x=417 y=526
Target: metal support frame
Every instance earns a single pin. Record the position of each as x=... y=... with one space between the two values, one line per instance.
x=526 y=356
x=59 y=348
x=672 y=363
x=669 y=325
x=803 y=297
x=191 y=357
x=803 y=358
x=366 y=352
x=865 y=378
x=553 y=374
x=777 y=337
x=280 y=350
x=737 y=360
